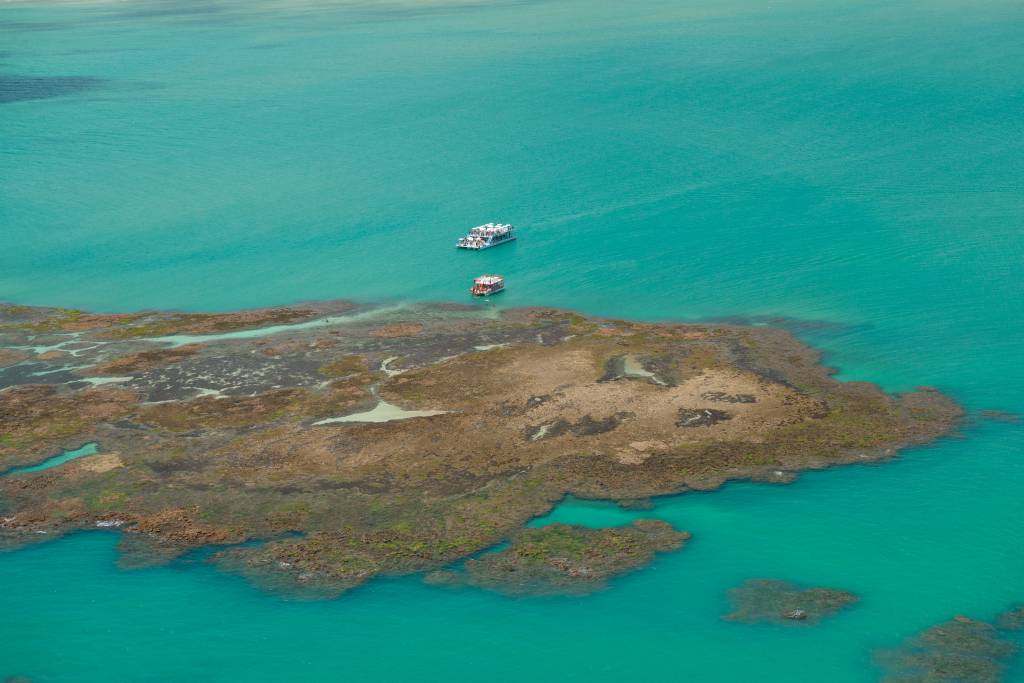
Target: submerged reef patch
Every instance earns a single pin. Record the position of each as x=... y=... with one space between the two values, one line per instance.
x=775 y=601
x=1002 y=416
x=21 y=88
x=961 y=650
x=217 y=442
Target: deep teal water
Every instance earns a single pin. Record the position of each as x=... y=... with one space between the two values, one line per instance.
x=853 y=167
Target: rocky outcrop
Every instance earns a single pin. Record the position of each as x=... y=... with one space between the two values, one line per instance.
x=232 y=441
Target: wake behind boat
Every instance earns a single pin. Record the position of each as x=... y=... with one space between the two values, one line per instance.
x=486 y=236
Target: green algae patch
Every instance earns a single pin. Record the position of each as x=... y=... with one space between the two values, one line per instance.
x=164 y=325
x=562 y=559
x=328 y=563
x=342 y=367
x=41 y=320
x=36 y=420
x=775 y=601
x=209 y=412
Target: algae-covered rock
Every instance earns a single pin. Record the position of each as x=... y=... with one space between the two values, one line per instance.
x=310 y=568
x=961 y=650
x=561 y=559
x=771 y=600
x=144 y=360
x=37 y=420
x=235 y=440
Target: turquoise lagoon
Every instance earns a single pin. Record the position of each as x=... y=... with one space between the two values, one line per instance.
x=852 y=170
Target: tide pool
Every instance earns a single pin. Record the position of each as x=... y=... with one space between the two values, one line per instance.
x=852 y=171
x=382 y=412
x=60 y=459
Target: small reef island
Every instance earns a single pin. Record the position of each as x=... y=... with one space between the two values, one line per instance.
x=311 y=448
x=771 y=600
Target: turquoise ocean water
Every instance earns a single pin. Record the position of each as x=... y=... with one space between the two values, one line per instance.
x=855 y=168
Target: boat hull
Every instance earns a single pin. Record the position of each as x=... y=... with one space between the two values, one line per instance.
x=486 y=246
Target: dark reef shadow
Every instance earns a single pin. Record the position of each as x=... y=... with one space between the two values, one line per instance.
x=31 y=26
x=798 y=326
x=21 y=88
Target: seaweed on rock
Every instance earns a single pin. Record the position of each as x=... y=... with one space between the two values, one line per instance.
x=562 y=559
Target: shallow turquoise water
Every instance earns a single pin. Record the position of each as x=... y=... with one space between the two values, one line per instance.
x=856 y=168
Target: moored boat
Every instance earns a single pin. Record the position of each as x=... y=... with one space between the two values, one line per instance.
x=486 y=285
x=486 y=236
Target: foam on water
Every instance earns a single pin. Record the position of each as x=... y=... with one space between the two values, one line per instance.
x=100 y=381
x=176 y=340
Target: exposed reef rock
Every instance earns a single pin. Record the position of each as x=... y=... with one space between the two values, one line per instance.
x=38 y=420
x=147 y=324
x=398 y=330
x=701 y=417
x=227 y=437
x=721 y=396
x=961 y=650
x=560 y=559
x=12 y=356
x=584 y=426
x=146 y=360
x=771 y=600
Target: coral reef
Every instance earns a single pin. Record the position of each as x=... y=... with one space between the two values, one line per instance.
x=771 y=600
x=235 y=440
x=560 y=559
x=961 y=650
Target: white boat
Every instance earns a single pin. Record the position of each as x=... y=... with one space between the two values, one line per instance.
x=485 y=285
x=486 y=236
